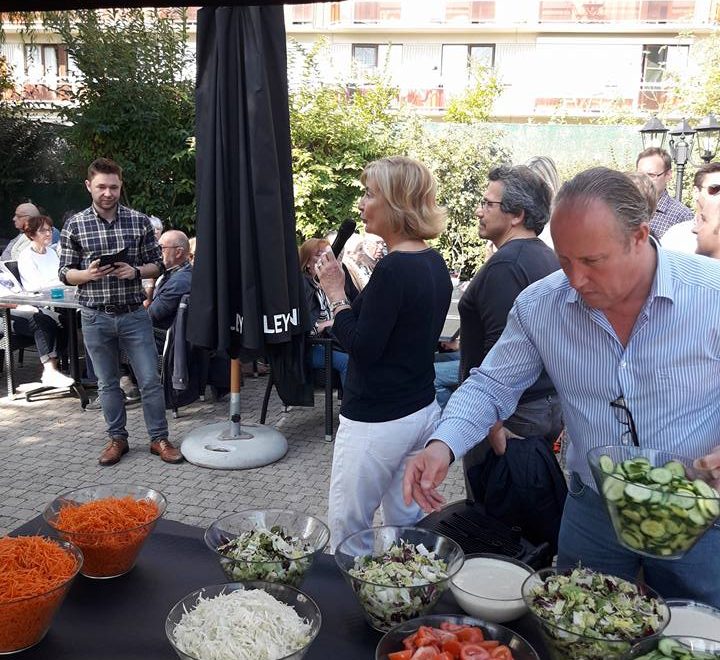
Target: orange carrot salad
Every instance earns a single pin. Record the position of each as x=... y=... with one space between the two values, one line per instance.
x=109 y=531
x=30 y=567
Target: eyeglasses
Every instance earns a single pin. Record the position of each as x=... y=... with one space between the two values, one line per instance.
x=44 y=230
x=624 y=416
x=487 y=202
x=656 y=175
x=167 y=247
x=712 y=190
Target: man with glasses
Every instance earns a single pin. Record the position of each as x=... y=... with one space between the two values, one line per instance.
x=511 y=214
x=630 y=336
x=174 y=283
x=657 y=164
x=707 y=220
x=112 y=313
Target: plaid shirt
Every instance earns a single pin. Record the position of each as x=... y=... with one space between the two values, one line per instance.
x=669 y=212
x=86 y=236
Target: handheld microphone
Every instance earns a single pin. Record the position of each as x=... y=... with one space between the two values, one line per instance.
x=347 y=228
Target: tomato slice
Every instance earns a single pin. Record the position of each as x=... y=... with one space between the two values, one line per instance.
x=490 y=644
x=426 y=653
x=470 y=634
x=444 y=656
x=400 y=655
x=452 y=646
x=474 y=652
x=501 y=653
x=452 y=627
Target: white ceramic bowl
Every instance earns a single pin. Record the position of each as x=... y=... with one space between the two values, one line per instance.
x=489 y=587
x=688 y=618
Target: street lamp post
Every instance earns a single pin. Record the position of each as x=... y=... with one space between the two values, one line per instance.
x=680 y=145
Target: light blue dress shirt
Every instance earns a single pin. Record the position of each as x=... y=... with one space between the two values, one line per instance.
x=669 y=372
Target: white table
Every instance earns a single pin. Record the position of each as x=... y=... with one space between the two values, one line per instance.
x=66 y=306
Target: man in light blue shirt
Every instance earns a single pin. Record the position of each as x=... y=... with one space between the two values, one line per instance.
x=622 y=319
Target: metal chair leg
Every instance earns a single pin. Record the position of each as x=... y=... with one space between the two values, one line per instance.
x=266 y=398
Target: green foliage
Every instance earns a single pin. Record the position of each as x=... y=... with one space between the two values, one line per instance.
x=335 y=133
x=460 y=157
x=476 y=103
x=696 y=92
x=135 y=104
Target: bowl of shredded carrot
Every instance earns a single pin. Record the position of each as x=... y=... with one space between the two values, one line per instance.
x=108 y=523
x=35 y=574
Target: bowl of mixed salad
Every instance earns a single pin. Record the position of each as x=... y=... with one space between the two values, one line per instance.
x=659 y=504
x=448 y=637
x=584 y=615
x=676 y=648
x=253 y=620
x=397 y=573
x=274 y=545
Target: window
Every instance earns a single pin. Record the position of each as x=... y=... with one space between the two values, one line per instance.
x=365 y=56
x=658 y=60
x=457 y=59
x=300 y=14
x=43 y=60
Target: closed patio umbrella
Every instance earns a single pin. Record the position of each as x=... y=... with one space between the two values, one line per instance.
x=246 y=292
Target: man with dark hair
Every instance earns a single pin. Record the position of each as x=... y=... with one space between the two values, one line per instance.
x=707 y=220
x=111 y=295
x=624 y=328
x=657 y=164
x=511 y=214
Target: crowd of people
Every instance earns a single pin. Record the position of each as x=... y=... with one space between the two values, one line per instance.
x=589 y=297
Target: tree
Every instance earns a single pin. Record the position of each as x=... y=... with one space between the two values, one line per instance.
x=697 y=91
x=335 y=131
x=476 y=102
x=135 y=103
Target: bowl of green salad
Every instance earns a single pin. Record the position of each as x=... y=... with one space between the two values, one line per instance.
x=397 y=573
x=275 y=545
x=584 y=615
x=659 y=504
x=677 y=648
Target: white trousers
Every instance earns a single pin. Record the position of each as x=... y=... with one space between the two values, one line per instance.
x=367 y=471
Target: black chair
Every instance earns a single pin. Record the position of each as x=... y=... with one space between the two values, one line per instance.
x=325 y=378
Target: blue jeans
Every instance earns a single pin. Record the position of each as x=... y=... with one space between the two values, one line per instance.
x=447 y=379
x=104 y=335
x=587 y=536
x=42 y=327
x=339 y=361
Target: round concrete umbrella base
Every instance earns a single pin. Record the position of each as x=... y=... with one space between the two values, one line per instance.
x=227 y=446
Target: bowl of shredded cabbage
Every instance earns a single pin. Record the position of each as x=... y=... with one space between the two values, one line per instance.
x=586 y=615
x=274 y=545
x=253 y=620
x=397 y=573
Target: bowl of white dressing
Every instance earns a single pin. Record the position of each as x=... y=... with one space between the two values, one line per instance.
x=490 y=587
x=693 y=619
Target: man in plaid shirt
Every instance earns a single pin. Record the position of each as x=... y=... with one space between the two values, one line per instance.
x=657 y=164
x=113 y=316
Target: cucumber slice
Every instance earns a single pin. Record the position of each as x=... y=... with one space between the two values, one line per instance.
x=696 y=517
x=705 y=490
x=606 y=464
x=614 y=489
x=653 y=528
x=637 y=493
x=660 y=475
x=669 y=646
x=676 y=467
x=711 y=508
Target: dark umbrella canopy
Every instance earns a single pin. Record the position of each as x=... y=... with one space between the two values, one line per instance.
x=246 y=294
x=246 y=282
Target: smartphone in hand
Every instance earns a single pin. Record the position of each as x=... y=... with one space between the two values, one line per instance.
x=110 y=259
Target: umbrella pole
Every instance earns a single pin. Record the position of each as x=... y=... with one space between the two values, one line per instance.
x=235 y=387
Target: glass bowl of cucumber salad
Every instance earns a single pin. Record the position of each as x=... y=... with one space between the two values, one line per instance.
x=676 y=648
x=659 y=504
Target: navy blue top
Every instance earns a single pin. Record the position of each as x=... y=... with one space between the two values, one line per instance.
x=391 y=334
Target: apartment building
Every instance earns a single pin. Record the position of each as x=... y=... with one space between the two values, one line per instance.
x=570 y=58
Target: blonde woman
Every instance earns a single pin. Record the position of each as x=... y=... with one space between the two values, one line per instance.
x=390 y=333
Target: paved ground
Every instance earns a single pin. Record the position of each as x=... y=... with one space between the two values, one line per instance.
x=49 y=447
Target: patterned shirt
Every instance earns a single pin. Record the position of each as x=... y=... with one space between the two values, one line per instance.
x=86 y=236
x=668 y=212
x=668 y=372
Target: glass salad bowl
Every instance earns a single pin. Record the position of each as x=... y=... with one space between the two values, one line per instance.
x=276 y=632
x=677 y=648
x=275 y=545
x=584 y=615
x=397 y=573
x=659 y=504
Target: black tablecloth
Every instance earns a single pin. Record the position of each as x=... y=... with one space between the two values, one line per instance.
x=124 y=618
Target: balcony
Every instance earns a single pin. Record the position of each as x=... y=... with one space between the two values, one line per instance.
x=412 y=13
x=620 y=11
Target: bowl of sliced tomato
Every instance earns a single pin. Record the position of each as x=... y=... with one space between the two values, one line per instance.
x=449 y=637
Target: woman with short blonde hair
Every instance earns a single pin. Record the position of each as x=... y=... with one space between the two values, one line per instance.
x=390 y=332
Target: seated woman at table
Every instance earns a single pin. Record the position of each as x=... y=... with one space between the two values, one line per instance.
x=319 y=306
x=38 y=266
x=390 y=332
